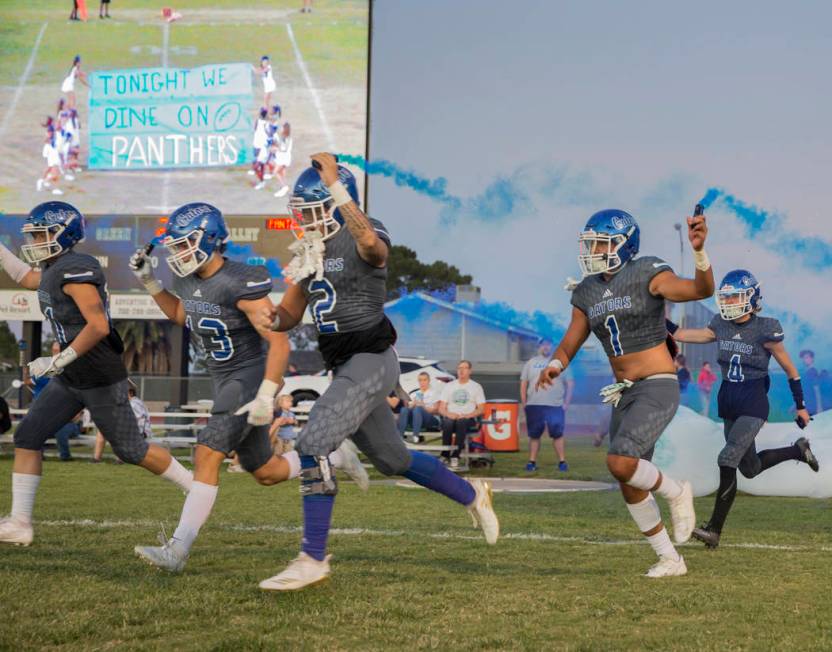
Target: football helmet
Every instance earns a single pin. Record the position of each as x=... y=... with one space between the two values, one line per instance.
x=51 y=229
x=194 y=231
x=738 y=295
x=616 y=234
x=312 y=206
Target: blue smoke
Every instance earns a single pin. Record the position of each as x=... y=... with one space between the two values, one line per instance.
x=245 y=253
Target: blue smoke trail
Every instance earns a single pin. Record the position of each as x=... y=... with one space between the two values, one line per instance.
x=246 y=254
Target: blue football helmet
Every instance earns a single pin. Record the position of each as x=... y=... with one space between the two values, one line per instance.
x=51 y=229
x=609 y=240
x=738 y=295
x=193 y=233
x=312 y=205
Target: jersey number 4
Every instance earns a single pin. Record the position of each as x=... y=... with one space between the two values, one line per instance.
x=324 y=306
x=615 y=335
x=219 y=336
x=735 y=374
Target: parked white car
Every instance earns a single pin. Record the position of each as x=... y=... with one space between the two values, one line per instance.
x=309 y=388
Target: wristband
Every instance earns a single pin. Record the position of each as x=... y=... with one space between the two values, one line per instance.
x=557 y=364
x=701 y=260
x=153 y=286
x=14 y=267
x=797 y=392
x=339 y=194
x=670 y=326
x=65 y=358
x=268 y=389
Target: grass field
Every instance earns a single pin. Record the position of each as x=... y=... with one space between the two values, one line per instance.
x=408 y=572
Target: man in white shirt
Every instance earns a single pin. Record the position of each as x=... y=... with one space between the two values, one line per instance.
x=461 y=404
x=545 y=407
x=422 y=409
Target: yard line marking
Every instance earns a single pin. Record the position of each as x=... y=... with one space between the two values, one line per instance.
x=520 y=536
x=316 y=100
x=23 y=79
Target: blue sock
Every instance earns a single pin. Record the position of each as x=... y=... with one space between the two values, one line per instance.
x=429 y=472
x=317 y=514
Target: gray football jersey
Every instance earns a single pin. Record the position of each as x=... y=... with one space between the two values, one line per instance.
x=102 y=365
x=351 y=295
x=742 y=354
x=622 y=313
x=225 y=335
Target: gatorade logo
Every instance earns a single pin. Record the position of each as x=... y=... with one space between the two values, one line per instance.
x=501 y=430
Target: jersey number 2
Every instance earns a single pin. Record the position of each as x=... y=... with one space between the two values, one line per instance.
x=324 y=306
x=615 y=341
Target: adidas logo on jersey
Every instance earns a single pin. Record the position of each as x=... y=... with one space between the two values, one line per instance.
x=198 y=293
x=737 y=337
x=607 y=294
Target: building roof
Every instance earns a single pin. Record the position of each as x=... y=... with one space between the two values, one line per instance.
x=464 y=311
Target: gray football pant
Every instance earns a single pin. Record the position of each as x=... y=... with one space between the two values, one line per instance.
x=355 y=406
x=739 y=451
x=642 y=414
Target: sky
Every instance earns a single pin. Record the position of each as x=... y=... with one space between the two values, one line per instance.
x=538 y=114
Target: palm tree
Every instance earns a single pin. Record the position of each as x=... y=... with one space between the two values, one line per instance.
x=146 y=345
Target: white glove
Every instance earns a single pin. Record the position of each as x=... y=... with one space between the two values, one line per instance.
x=142 y=269
x=612 y=393
x=52 y=365
x=261 y=409
x=307 y=257
x=571 y=284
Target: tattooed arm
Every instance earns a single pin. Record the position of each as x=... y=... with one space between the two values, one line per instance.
x=372 y=249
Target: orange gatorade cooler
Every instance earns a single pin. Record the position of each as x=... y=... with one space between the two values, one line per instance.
x=499 y=430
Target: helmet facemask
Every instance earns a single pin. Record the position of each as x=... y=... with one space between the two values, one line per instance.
x=35 y=250
x=609 y=260
x=315 y=216
x=186 y=255
x=735 y=303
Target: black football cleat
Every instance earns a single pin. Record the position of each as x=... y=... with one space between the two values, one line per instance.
x=806 y=454
x=707 y=536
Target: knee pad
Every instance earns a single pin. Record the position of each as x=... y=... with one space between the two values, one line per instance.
x=646 y=514
x=319 y=478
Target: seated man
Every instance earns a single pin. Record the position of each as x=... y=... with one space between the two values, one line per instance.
x=422 y=410
x=461 y=405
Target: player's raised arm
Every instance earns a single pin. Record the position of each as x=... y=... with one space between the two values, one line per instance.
x=568 y=348
x=20 y=272
x=701 y=286
x=372 y=249
x=690 y=335
x=169 y=303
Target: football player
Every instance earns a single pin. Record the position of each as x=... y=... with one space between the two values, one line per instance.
x=746 y=343
x=340 y=272
x=87 y=373
x=217 y=299
x=622 y=300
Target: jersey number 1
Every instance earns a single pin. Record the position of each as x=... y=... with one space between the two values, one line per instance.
x=615 y=341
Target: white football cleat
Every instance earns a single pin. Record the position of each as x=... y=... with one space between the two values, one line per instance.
x=282 y=191
x=301 y=572
x=667 y=567
x=352 y=466
x=171 y=556
x=15 y=531
x=483 y=511
x=57 y=191
x=682 y=514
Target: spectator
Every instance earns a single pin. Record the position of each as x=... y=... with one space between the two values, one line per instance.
x=545 y=408
x=682 y=373
x=423 y=410
x=282 y=433
x=811 y=382
x=104 y=9
x=65 y=433
x=705 y=382
x=461 y=405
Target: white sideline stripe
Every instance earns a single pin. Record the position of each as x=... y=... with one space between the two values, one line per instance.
x=519 y=536
x=316 y=100
x=23 y=79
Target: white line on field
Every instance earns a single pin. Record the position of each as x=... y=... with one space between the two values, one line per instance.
x=520 y=536
x=23 y=79
x=166 y=176
x=316 y=100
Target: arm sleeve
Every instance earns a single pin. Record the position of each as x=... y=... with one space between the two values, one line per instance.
x=382 y=231
x=256 y=283
x=774 y=331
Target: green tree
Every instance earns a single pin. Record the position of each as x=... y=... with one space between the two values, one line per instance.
x=406 y=273
x=8 y=346
x=146 y=345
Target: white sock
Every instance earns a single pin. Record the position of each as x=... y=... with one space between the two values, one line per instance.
x=645 y=477
x=178 y=475
x=669 y=488
x=293 y=459
x=24 y=488
x=646 y=514
x=662 y=545
x=195 y=512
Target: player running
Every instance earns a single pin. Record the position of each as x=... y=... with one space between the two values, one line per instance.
x=217 y=299
x=622 y=300
x=746 y=343
x=87 y=373
x=340 y=273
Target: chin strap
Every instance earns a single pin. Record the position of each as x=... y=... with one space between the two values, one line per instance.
x=308 y=257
